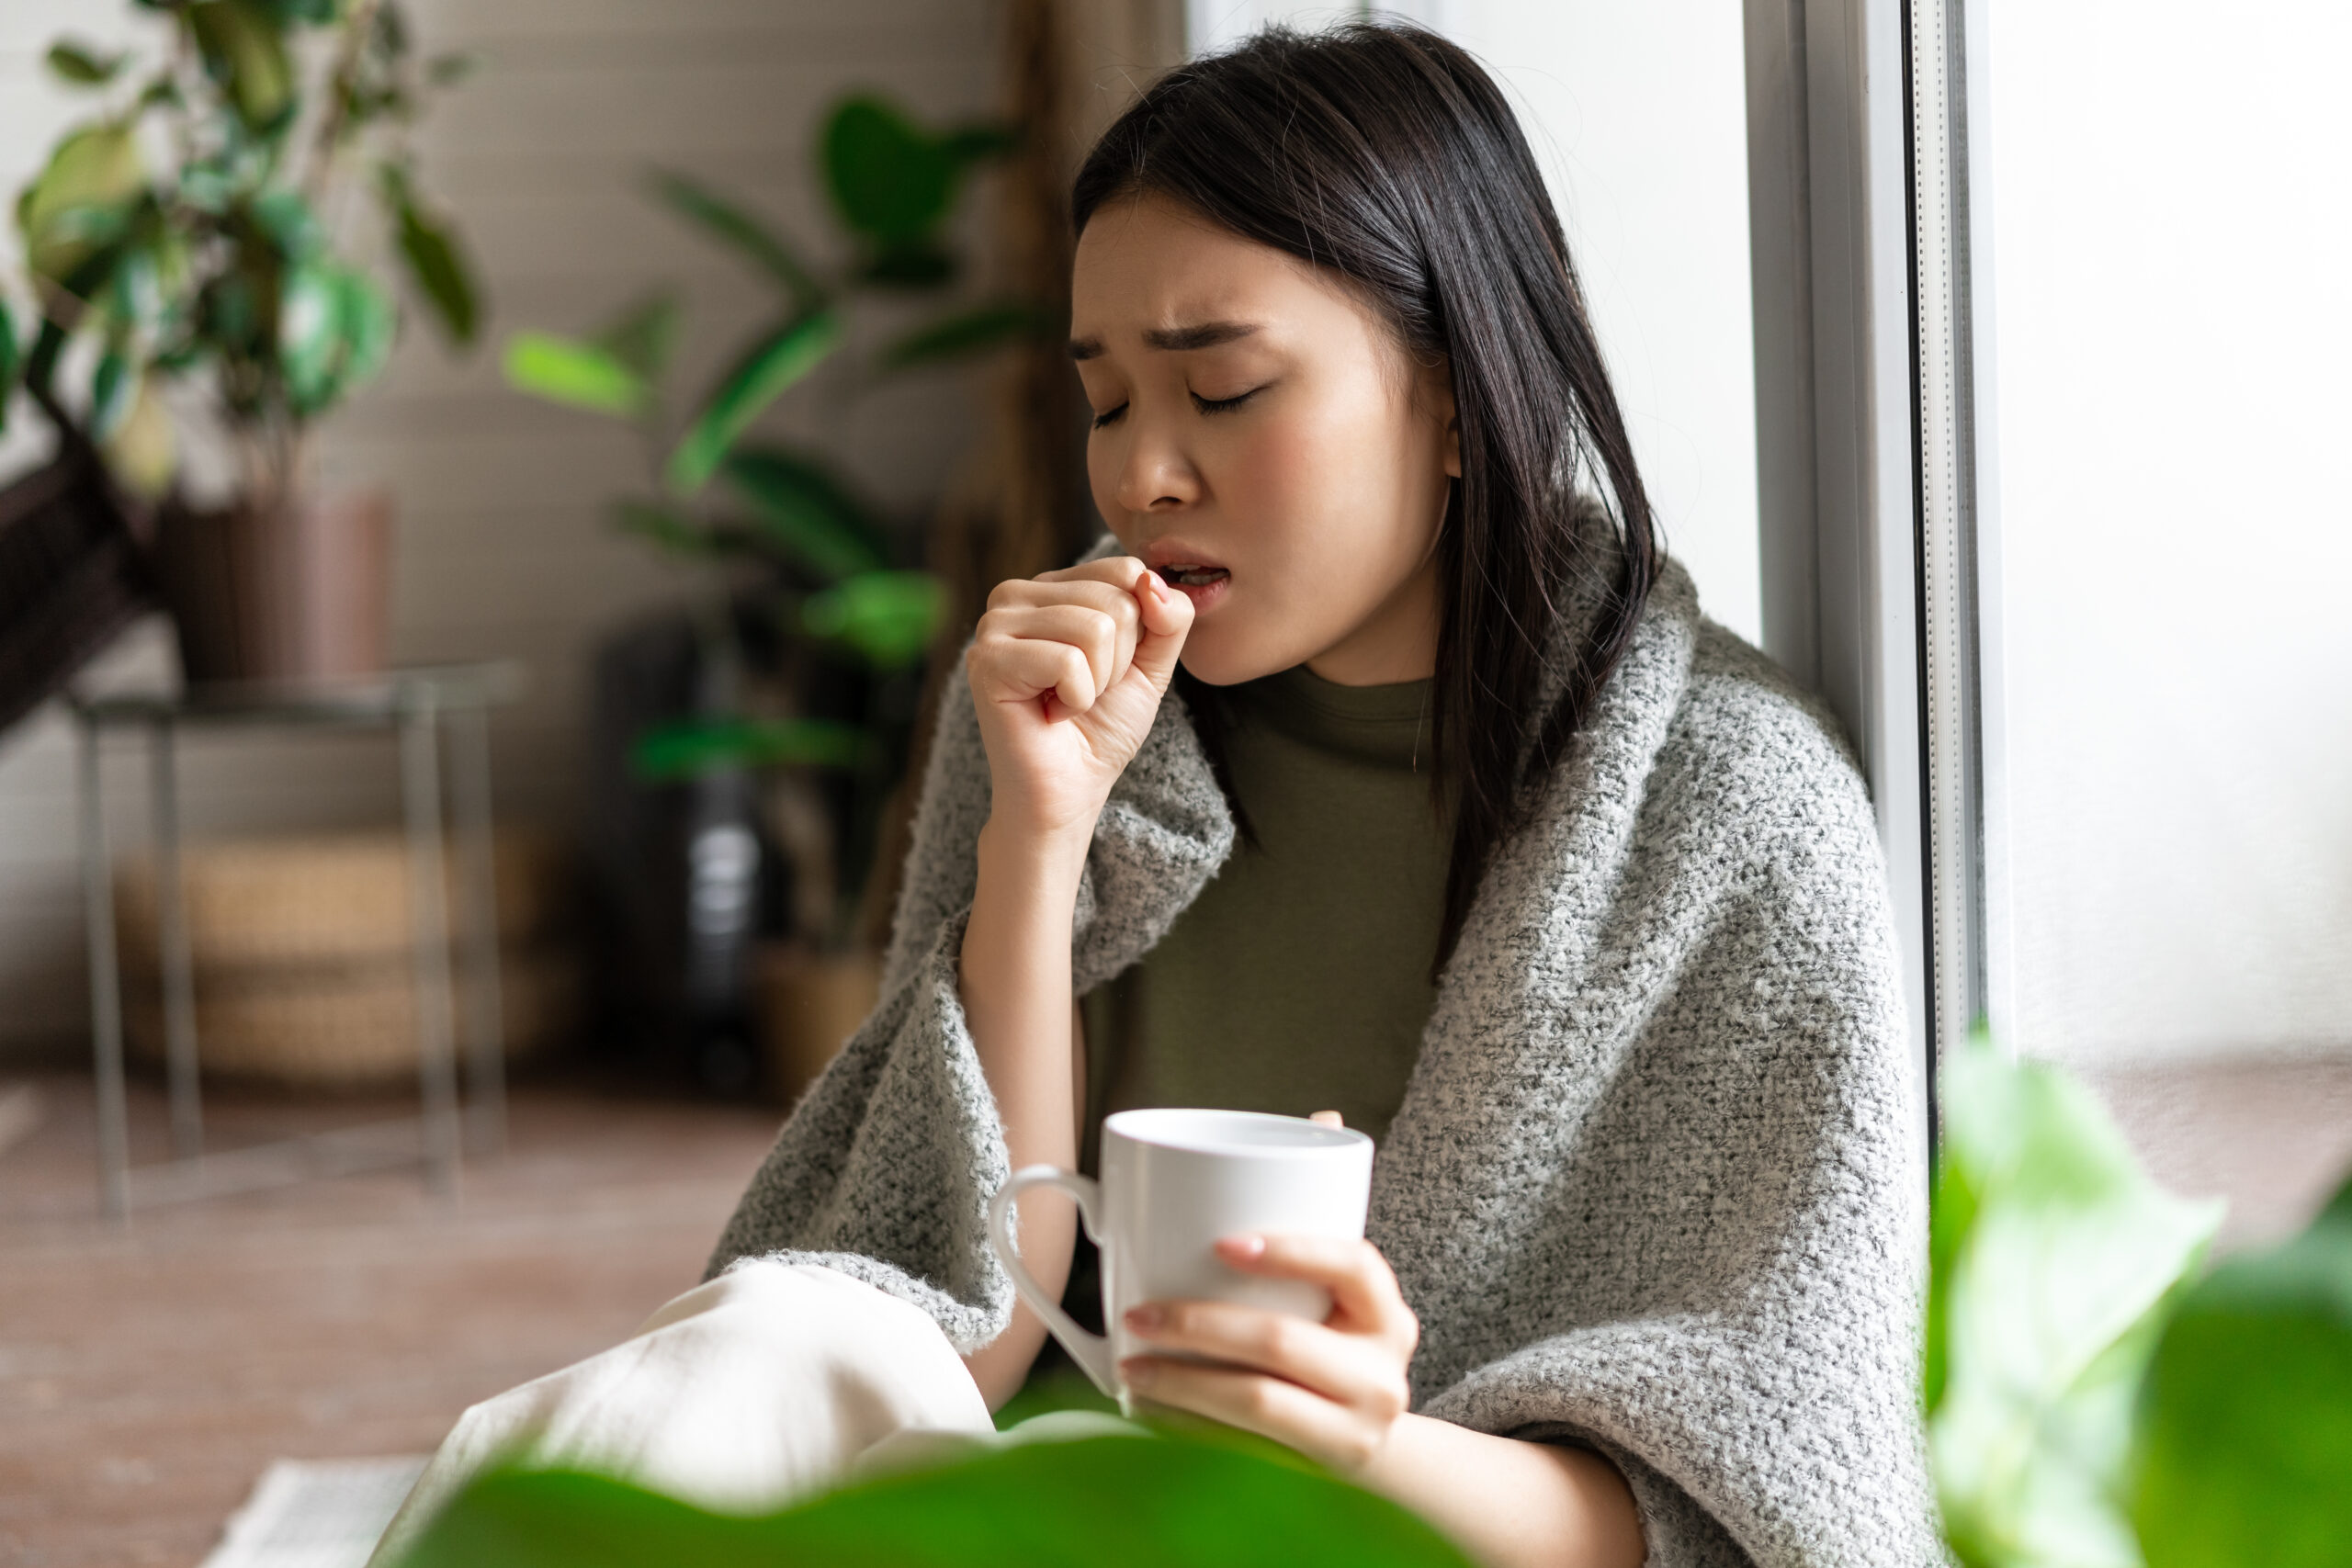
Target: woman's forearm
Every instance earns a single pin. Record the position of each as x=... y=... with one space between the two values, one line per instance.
x=1510 y=1504
x=1015 y=983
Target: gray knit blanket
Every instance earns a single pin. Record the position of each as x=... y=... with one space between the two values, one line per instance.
x=1655 y=1185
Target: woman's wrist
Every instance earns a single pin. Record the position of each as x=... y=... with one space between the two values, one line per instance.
x=1034 y=858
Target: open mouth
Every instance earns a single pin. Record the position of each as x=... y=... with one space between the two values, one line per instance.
x=1182 y=576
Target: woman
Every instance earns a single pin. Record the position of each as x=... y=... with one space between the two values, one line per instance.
x=1380 y=760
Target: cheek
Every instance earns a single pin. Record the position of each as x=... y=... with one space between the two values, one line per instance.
x=1327 y=502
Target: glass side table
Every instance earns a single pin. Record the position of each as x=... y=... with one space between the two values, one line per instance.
x=418 y=707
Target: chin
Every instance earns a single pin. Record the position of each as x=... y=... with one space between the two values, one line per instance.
x=1215 y=660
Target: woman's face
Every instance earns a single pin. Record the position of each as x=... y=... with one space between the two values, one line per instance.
x=1256 y=422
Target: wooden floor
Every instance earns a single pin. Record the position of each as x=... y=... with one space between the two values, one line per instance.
x=147 y=1377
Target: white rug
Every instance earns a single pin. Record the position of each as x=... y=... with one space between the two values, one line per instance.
x=316 y=1513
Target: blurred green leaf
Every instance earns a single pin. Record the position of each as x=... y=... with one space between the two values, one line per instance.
x=889 y=616
x=2055 y=1258
x=731 y=225
x=1139 y=1502
x=82 y=202
x=287 y=13
x=579 y=375
x=285 y=215
x=970 y=143
x=670 y=529
x=917 y=263
x=108 y=384
x=644 y=335
x=335 y=333
x=2244 y=1452
x=244 y=51
x=435 y=265
x=965 y=333
x=698 y=746
x=449 y=70
x=801 y=509
x=762 y=375
x=11 y=361
x=889 y=180
x=83 y=65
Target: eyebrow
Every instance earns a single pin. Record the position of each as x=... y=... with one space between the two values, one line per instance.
x=1203 y=335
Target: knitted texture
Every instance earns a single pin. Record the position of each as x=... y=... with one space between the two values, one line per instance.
x=1657 y=1184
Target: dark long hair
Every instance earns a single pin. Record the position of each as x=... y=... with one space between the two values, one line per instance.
x=1387 y=155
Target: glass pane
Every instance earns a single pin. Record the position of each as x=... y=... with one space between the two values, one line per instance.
x=2172 y=229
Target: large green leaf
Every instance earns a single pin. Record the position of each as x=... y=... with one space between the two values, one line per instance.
x=2055 y=1257
x=2245 y=1433
x=334 y=332
x=1138 y=1502
x=730 y=225
x=698 y=746
x=83 y=65
x=285 y=215
x=83 y=202
x=767 y=370
x=965 y=333
x=244 y=51
x=890 y=181
x=671 y=529
x=435 y=263
x=889 y=616
x=644 y=335
x=801 y=509
x=578 y=374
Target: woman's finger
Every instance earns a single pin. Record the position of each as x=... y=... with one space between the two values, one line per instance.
x=1343 y=1367
x=1359 y=1279
x=1108 y=643
x=1269 y=1406
x=1021 y=669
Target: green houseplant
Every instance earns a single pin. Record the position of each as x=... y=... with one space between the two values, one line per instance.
x=216 y=227
x=816 y=611
x=2093 y=1398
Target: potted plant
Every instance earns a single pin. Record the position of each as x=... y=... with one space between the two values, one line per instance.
x=214 y=228
x=817 y=615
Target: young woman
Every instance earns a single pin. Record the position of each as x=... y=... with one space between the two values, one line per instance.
x=1377 y=761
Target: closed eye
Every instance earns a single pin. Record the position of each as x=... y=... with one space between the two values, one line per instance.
x=1109 y=416
x=1224 y=405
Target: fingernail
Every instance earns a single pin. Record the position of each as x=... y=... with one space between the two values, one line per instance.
x=1245 y=1245
x=1145 y=1319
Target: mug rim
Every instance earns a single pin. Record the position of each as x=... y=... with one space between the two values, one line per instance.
x=1132 y=1125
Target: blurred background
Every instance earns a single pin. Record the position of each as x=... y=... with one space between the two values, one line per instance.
x=676 y=378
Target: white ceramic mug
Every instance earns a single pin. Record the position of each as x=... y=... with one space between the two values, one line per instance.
x=1176 y=1183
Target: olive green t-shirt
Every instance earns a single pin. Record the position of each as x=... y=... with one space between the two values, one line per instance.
x=1299 y=979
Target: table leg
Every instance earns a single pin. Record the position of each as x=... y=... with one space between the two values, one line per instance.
x=429 y=915
x=172 y=947
x=485 y=1021
x=106 y=993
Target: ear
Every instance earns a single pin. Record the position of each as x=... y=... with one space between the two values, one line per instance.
x=1435 y=395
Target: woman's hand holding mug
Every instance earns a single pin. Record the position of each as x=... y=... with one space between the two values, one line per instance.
x=1333 y=1389
x=1067 y=672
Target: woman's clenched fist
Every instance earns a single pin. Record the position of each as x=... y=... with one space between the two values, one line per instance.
x=1067 y=672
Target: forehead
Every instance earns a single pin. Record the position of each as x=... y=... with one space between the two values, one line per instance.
x=1148 y=263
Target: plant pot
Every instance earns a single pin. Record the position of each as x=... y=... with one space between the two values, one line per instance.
x=293 y=593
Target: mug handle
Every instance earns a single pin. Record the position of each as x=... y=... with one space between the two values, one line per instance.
x=1090 y=1351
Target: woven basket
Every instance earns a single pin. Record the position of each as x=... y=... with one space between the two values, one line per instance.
x=302 y=955
x=349 y=1025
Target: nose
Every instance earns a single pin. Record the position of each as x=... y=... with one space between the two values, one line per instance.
x=1154 y=475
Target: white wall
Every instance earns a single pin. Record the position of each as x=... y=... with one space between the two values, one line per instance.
x=502 y=548
x=2172 y=227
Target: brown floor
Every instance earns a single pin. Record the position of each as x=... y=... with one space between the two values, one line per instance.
x=146 y=1378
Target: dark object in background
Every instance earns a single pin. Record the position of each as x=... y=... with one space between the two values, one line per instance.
x=298 y=592
x=686 y=880
x=70 y=577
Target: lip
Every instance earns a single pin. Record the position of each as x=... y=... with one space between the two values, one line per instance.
x=1161 y=554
